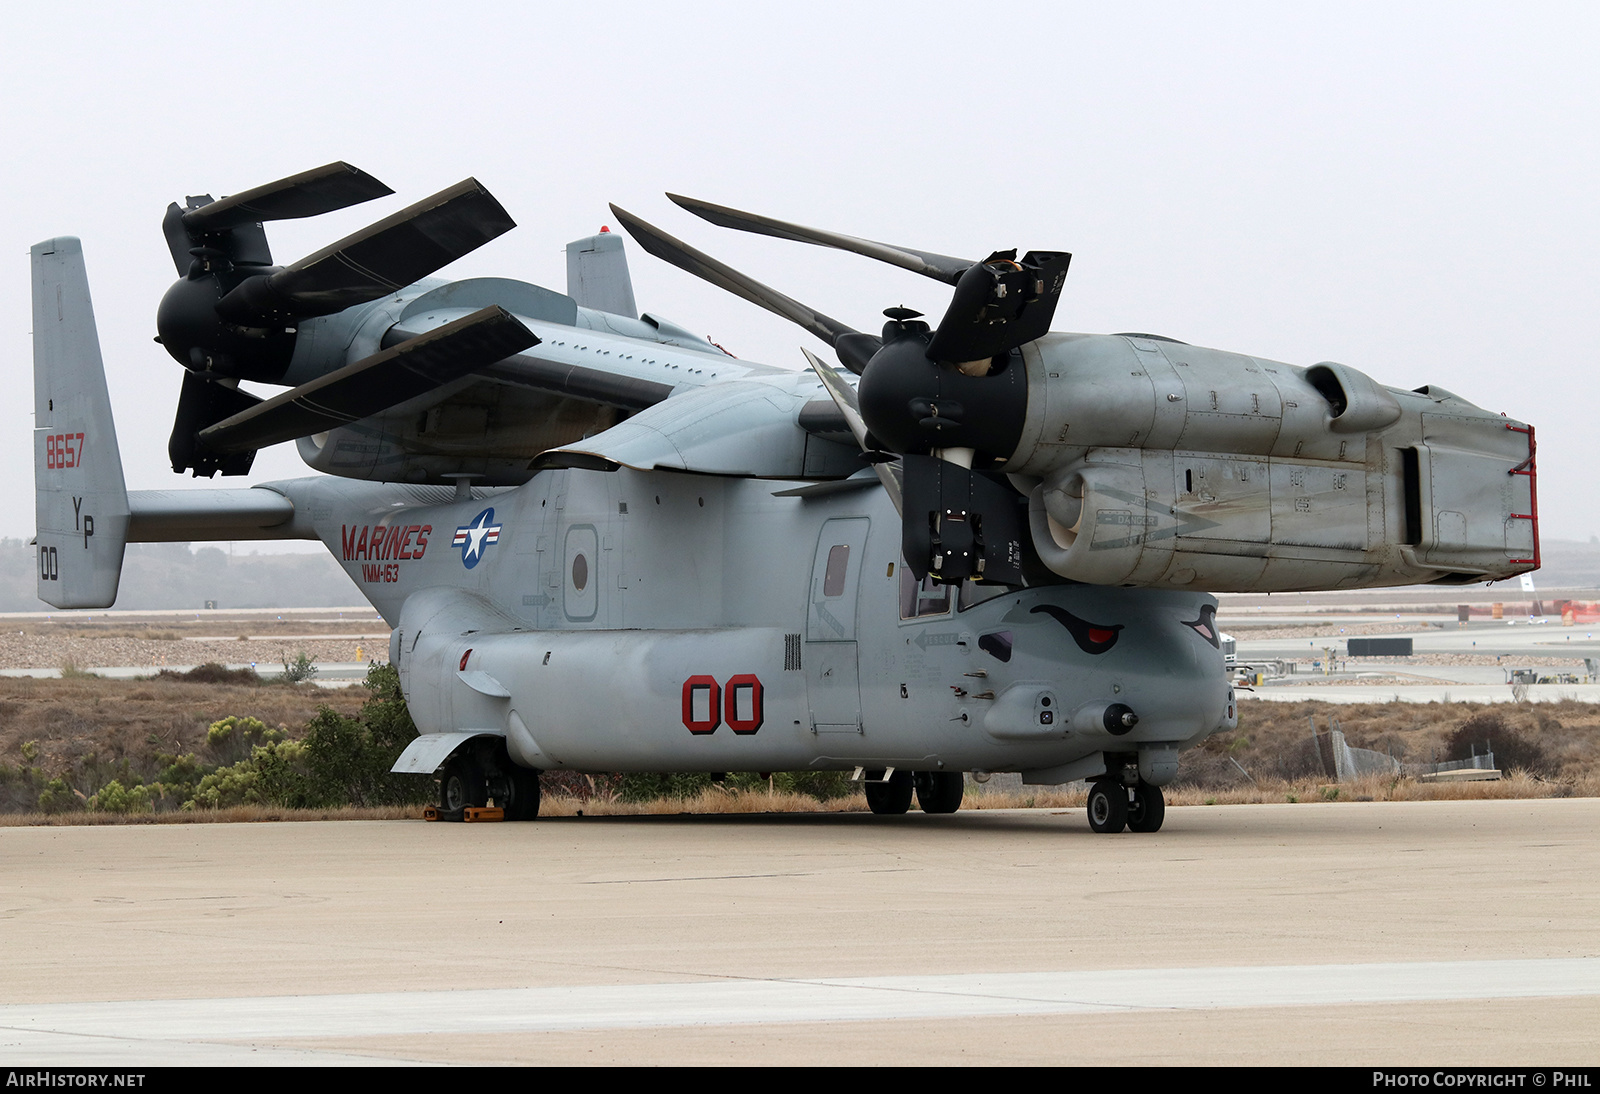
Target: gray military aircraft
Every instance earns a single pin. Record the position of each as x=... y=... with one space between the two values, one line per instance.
x=606 y=545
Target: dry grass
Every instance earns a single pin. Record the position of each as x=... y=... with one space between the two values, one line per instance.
x=1070 y=796
x=714 y=800
x=727 y=802
x=241 y=814
x=90 y=730
x=1384 y=788
x=1271 y=741
x=1516 y=784
x=84 y=720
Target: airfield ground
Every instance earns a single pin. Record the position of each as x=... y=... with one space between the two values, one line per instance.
x=1383 y=933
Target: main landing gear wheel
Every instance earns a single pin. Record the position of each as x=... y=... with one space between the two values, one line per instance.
x=890 y=798
x=1108 y=806
x=522 y=794
x=461 y=785
x=1148 y=809
x=939 y=791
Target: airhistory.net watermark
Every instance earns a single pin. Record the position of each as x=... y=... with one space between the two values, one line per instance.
x=51 y=1077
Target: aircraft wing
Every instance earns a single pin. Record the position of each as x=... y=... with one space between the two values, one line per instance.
x=574 y=382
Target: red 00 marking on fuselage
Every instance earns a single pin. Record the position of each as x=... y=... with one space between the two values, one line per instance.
x=706 y=704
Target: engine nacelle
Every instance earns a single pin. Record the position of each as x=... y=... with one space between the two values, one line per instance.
x=1150 y=462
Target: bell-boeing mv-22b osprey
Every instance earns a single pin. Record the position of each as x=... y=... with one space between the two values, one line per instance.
x=606 y=545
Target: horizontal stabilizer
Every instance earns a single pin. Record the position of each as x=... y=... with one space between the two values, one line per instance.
x=181 y=516
x=374 y=384
x=381 y=258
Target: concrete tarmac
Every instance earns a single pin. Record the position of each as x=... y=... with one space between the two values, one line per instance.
x=1453 y=933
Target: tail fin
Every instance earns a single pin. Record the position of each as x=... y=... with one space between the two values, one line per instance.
x=81 y=500
x=597 y=274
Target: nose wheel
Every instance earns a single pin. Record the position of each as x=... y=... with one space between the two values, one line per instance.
x=1147 y=809
x=1108 y=806
x=1113 y=807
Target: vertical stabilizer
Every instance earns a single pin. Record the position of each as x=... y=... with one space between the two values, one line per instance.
x=81 y=501
x=597 y=275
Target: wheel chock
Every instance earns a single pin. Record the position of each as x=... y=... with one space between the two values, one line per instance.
x=431 y=813
x=483 y=813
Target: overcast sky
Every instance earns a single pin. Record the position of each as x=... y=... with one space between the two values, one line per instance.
x=1408 y=189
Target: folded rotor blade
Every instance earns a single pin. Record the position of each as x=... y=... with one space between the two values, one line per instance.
x=308 y=194
x=853 y=347
x=844 y=397
x=1000 y=304
x=375 y=261
x=374 y=384
x=928 y=264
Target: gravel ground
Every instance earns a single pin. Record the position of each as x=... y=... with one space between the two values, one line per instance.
x=1246 y=631
x=1356 y=664
x=46 y=651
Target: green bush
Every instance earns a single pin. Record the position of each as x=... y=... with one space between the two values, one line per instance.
x=232 y=738
x=298 y=671
x=113 y=797
x=822 y=785
x=212 y=672
x=274 y=774
x=349 y=758
x=57 y=797
x=648 y=786
x=340 y=761
x=180 y=777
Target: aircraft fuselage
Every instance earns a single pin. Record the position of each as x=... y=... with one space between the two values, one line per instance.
x=797 y=638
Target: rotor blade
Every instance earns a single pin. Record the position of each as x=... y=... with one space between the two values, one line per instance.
x=308 y=194
x=928 y=264
x=374 y=384
x=201 y=403
x=849 y=343
x=1000 y=304
x=379 y=259
x=844 y=397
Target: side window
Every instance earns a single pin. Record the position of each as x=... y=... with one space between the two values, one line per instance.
x=920 y=598
x=838 y=567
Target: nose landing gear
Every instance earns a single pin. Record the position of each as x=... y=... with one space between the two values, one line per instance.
x=1113 y=806
x=1147 y=809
